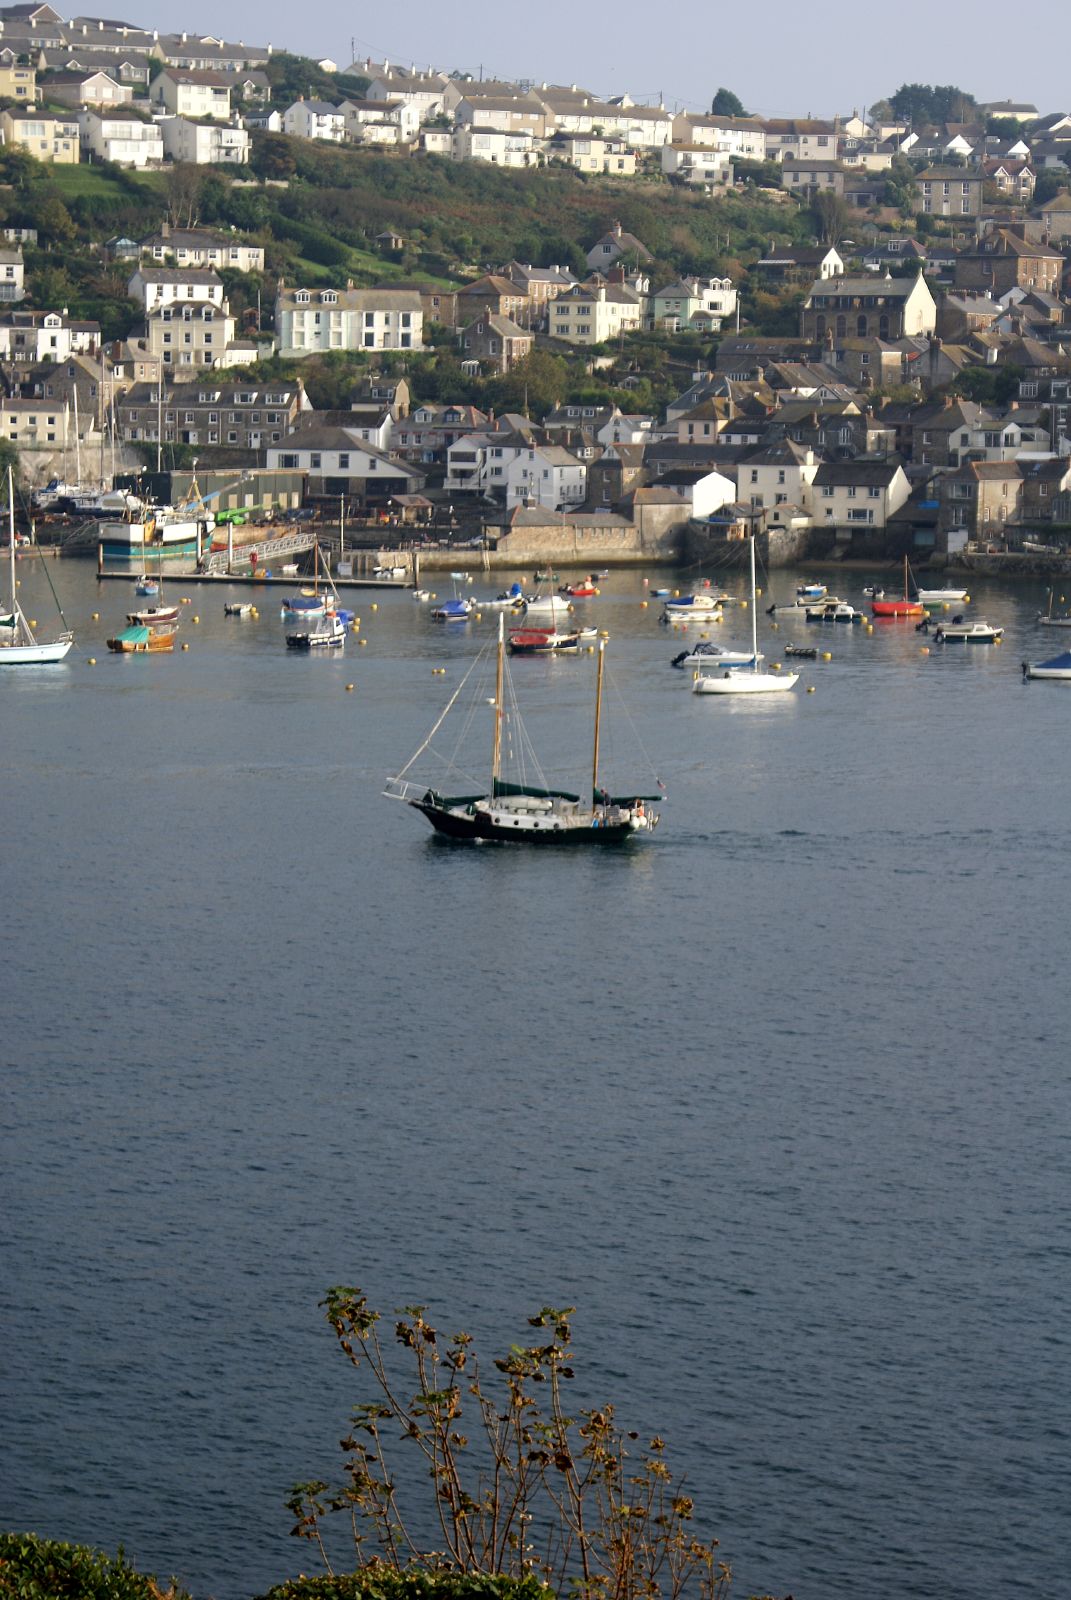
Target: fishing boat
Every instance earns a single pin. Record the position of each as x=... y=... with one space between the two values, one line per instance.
x=748 y=679
x=140 y=639
x=1058 y=668
x=327 y=632
x=18 y=646
x=707 y=654
x=1054 y=619
x=833 y=611
x=895 y=606
x=959 y=632
x=525 y=812
x=541 y=641
x=171 y=531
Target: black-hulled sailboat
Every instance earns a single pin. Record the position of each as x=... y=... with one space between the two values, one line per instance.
x=524 y=813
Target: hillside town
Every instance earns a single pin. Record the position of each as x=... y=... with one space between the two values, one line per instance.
x=892 y=368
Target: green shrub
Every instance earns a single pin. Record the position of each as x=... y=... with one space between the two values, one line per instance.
x=32 y=1568
x=412 y=1583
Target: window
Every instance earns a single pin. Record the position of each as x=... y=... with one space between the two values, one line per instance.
x=314 y=459
x=827 y=491
x=344 y=458
x=232 y=437
x=873 y=494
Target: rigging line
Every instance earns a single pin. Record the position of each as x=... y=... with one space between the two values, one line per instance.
x=442 y=718
x=619 y=700
x=44 y=562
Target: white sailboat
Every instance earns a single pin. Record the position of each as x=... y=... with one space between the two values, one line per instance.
x=18 y=647
x=751 y=679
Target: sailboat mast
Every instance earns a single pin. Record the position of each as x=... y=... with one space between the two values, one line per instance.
x=754 y=614
x=598 y=723
x=11 y=537
x=496 y=755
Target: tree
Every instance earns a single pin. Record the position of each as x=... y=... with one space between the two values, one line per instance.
x=52 y=220
x=923 y=103
x=901 y=189
x=830 y=213
x=520 y=1488
x=182 y=190
x=727 y=104
x=1048 y=186
x=273 y=156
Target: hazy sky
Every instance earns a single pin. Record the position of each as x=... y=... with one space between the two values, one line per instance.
x=780 y=57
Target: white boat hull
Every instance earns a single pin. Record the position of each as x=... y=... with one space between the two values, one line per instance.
x=936 y=597
x=740 y=680
x=34 y=655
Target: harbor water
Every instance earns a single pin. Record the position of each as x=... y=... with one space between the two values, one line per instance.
x=778 y=1098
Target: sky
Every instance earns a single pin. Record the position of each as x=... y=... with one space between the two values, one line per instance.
x=783 y=59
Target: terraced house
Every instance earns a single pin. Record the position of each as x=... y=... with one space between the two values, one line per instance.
x=307 y=320
x=238 y=417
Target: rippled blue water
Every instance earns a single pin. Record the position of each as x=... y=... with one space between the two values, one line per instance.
x=780 y=1101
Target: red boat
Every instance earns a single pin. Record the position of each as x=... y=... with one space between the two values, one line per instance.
x=581 y=591
x=897 y=606
x=540 y=641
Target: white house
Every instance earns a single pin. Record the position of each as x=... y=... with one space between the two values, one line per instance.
x=12 y=275
x=45 y=335
x=162 y=286
x=738 y=138
x=205 y=144
x=591 y=315
x=315 y=119
x=696 y=163
x=859 y=493
x=194 y=335
x=400 y=115
x=594 y=153
x=307 y=320
x=546 y=475
x=426 y=91
x=337 y=461
x=120 y=137
x=780 y=475
x=492 y=144
x=192 y=94
x=198 y=247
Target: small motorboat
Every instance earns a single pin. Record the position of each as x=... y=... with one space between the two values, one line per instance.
x=452 y=611
x=581 y=591
x=152 y=616
x=690 y=607
x=811 y=591
x=327 y=632
x=943 y=597
x=541 y=641
x=959 y=632
x=799 y=608
x=421 y=594
x=833 y=611
x=549 y=607
x=511 y=599
x=805 y=652
x=237 y=608
x=146 y=588
x=714 y=655
x=1058 y=668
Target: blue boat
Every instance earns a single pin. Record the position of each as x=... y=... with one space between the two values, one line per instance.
x=453 y=611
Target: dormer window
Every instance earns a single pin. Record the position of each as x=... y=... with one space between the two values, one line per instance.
x=302 y=297
x=329 y=297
